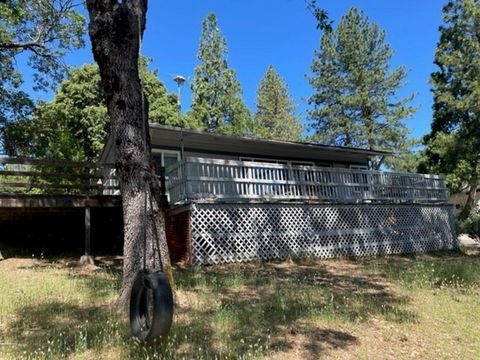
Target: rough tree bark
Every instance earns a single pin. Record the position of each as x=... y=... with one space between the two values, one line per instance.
x=471 y=197
x=116 y=29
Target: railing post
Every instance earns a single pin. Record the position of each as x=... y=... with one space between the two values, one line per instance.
x=163 y=189
x=302 y=179
x=369 y=194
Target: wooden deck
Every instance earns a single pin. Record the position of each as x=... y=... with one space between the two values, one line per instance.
x=32 y=186
x=214 y=180
x=58 y=201
x=35 y=183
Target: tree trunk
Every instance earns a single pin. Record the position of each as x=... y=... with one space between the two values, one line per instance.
x=116 y=29
x=1 y=257
x=471 y=197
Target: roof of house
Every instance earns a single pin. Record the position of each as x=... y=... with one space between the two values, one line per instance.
x=163 y=136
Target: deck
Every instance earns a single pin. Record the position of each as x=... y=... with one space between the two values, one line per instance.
x=212 y=180
x=33 y=186
x=26 y=182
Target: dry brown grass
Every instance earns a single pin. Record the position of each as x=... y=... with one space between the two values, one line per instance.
x=424 y=307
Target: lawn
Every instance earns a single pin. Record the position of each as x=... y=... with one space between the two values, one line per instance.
x=394 y=307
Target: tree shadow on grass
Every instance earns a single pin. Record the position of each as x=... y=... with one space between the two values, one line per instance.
x=283 y=307
x=228 y=312
x=58 y=328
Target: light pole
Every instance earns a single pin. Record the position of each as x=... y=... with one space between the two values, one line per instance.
x=180 y=80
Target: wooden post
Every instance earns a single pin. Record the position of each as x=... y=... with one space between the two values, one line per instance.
x=87 y=231
x=87 y=258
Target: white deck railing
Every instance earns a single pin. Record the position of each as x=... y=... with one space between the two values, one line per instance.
x=201 y=179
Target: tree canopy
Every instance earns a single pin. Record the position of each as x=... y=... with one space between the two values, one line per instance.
x=354 y=101
x=217 y=101
x=453 y=145
x=275 y=117
x=74 y=125
x=44 y=30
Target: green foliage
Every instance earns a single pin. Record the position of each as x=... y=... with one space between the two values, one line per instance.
x=275 y=116
x=354 y=101
x=321 y=15
x=75 y=124
x=45 y=30
x=452 y=145
x=409 y=159
x=217 y=101
x=72 y=126
x=162 y=105
x=470 y=224
x=448 y=153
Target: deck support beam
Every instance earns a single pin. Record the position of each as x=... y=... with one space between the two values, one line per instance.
x=87 y=258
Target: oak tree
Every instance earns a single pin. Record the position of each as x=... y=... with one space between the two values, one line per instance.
x=75 y=124
x=116 y=29
x=43 y=31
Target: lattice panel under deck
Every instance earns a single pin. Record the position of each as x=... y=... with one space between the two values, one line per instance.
x=244 y=232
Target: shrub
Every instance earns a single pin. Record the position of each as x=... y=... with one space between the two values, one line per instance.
x=471 y=224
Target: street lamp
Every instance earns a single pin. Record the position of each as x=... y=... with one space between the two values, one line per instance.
x=180 y=80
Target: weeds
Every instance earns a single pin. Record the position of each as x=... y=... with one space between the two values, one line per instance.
x=245 y=311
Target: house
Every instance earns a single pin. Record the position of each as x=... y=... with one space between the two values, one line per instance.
x=235 y=199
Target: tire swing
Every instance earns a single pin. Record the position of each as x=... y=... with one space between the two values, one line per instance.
x=151 y=297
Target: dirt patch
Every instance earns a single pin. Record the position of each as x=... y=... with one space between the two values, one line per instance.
x=19 y=263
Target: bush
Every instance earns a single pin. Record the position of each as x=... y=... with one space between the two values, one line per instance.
x=471 y=224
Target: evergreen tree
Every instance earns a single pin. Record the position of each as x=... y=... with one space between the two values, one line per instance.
x=275 y=109
x=354 y=101
x=217 y=96
x=74 y=125
x=454 y=142
x=409 y=160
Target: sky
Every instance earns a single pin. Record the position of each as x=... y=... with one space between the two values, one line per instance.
x=283 y=33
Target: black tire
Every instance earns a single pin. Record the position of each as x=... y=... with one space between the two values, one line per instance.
x=151 y=305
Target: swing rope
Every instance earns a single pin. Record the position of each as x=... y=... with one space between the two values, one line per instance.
x=156 y=238
x=149 y=321
x=148 y=177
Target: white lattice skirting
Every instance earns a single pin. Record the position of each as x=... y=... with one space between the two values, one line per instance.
x=244 y=232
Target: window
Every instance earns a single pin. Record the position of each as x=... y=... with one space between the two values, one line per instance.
x=165 y=158
x=270 y=161
x=359 y=167
x=323 y=164
x=301 y=163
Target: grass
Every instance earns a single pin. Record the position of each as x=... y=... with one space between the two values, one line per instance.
x=395 y=307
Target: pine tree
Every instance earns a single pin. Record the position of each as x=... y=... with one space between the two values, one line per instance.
x=454 y=142
x=354 y=101
x=275 y=109
x=217 y=96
